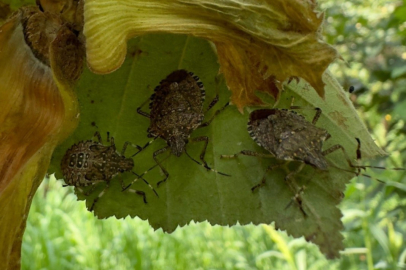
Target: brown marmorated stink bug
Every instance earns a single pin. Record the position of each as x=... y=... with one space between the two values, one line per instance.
x=288 y=136
x=176 y=111
x=89 y=163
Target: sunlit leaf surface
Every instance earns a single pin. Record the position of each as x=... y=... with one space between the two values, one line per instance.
x=109 y=102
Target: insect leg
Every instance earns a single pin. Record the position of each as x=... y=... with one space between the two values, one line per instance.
x=262 y=183
x=145 y=181
x=337 y=147
x=145 y=146
x=113 y=144
x=126 y=145
x=206 y=142
x=91 y=189
x=140 y=176
x=253 y=154
x=298 y=200
x=205 y=166
x=374 y=167
x=97 y=135
x=212 y=103
x=156 y=153
x=358 y=167
x=270 y=168
x=99 y=196
x=140 y=193
x=316 y=116
x=248 y=153
x=141 y=111
x=205 y=124
x=292 y=185
x=218 y=80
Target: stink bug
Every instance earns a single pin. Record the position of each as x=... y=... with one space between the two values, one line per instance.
x=89 y=163
x=176 y=111
x=288 y=136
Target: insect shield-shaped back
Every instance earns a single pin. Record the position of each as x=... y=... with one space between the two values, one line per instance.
x=90 y=161
x=288 y=136
x=110 y=161
x=177 y=109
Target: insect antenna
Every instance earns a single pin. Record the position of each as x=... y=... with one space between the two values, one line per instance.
x=358 y=174
x=379 y=167
x=373 y=167
x=363 y=167
x=205 y=165
x=357 y=167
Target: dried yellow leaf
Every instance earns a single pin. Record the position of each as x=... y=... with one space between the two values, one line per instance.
x=260 y=44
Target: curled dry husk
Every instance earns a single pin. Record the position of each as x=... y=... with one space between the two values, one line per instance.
x=40 y=59
x=259 y=43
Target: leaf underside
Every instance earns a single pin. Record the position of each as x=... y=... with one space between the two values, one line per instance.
x=109 y=102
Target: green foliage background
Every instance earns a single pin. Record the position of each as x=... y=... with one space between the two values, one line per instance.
x=371 y=39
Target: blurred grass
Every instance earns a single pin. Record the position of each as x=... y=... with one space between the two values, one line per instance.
x=62 y=234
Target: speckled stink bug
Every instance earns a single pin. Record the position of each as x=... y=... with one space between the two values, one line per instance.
x=176 y=111
x=89 y=163
x=288 y=136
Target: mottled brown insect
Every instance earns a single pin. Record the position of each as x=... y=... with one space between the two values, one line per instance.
x=289 y=136
x=176 y=111
x=89 y=163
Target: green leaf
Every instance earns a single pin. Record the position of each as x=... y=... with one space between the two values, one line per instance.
x=398 y=72
x=109 y=102
x=400 y=13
